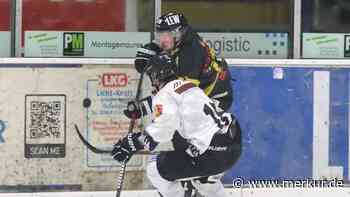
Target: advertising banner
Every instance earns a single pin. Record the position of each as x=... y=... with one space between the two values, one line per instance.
x=326 y=45
x=83 y=44
x=108 y=94
x=39 y=108
x=295 y=124
x=248 y=45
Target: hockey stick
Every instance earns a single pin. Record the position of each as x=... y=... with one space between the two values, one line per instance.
x=120 y=180
x=88 y=145
x=96 y=150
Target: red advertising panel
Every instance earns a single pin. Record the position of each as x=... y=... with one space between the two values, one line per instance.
x=5 y=15
x=74 y=15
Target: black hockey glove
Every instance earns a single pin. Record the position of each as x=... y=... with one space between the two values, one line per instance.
x=144 y=54
x=134 y=111
x=126 y=147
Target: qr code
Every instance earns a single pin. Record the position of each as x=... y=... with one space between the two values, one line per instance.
x=45 y=119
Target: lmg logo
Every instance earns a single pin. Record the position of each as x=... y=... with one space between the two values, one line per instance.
x=2 y=130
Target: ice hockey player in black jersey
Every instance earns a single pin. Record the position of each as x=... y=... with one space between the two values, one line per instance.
x=206 y=142
x=195 y=60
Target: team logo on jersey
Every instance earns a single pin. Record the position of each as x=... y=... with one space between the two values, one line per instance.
x=158 y=110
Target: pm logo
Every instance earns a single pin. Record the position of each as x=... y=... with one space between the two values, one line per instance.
x=346 y=45
x=73 y=44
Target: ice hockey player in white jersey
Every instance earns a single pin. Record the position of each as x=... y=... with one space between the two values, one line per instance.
x=206 y=142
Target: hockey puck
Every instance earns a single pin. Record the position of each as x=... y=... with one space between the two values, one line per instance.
x=87 y=102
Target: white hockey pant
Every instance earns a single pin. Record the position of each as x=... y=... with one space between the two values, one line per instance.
x=175 y=189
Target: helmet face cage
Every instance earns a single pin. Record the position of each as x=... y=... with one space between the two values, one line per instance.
x=159 y=74
x=175 y=34
x=154 y=80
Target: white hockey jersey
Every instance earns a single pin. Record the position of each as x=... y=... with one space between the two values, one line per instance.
x=182 y=106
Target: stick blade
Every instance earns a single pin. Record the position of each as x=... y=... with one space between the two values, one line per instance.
x=88 y=145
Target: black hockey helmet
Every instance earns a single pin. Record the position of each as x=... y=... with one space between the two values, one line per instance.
x=162 y=69
x=171 y=21
x=172 y=24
